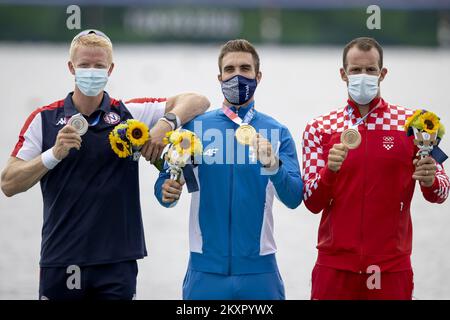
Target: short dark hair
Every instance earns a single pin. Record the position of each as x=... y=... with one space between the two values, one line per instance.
x=239 y=45
x=364 y=44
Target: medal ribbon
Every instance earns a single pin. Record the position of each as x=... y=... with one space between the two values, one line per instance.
x=236 y=119
x=95 y=122
x=350 y=112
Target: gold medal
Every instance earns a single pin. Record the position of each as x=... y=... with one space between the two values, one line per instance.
x=79 y=123
x=245 y=134
x=351 y=138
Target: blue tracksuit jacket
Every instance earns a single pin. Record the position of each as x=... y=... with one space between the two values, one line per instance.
x=231 y=223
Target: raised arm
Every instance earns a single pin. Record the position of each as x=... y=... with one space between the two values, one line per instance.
x=187 y=106
x=285 y=174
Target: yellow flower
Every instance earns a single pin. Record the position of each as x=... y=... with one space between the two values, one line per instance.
x=411 y=119
x=175 y=137
x=166 y=139
x=120 y=147
x=430 y=122
x=137 y=132
x=198 y=148
x=120 y=126
x=441 y=131
x=188 y=143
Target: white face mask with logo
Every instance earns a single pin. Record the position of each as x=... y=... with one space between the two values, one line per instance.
x=91 y=81
x=362 y=87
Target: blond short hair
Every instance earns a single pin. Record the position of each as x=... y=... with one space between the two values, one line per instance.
x=91 y=40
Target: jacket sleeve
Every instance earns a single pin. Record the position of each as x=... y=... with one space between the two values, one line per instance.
x=318 y=179
x=438 y=192
x=287 y=179
x=163 y=175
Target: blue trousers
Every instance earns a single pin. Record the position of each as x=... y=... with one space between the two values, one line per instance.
x=211 y=286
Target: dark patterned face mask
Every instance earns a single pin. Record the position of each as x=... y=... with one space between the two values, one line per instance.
x=238 y=90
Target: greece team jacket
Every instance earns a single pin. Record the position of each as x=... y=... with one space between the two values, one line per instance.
x=365 y=206
x=231 y=225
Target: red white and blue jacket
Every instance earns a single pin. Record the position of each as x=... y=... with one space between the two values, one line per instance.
x=365 y=205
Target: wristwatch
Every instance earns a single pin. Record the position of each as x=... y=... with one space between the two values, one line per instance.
x=172 y=119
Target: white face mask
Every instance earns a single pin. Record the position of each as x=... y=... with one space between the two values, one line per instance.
x=91 y=81
x=362 y=87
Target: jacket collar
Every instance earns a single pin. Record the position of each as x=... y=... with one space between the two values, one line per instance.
x=242 y=111
x=375 y=102
x=70 y=110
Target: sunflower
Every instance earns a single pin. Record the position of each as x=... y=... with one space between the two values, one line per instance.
x=119 y=146
x=166 y=139
x=411 y=119
x=441 y=131
x=188 y=143
x=137 y=133
x=198 y=147
x=430 y=122
x=175 y=137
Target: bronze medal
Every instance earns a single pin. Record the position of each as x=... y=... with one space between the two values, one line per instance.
x=351 y=138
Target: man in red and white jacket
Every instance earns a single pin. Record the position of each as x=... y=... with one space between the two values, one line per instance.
x=364 y=194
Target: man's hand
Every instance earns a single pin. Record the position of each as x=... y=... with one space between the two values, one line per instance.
x=425 y=171
x=152 y=149
x=264 y=152
x=66 y=139
x=338 y=153
x=171 y=191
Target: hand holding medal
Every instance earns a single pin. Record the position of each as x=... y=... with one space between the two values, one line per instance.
x=69 y=136
x=338 y=153
x=265 y=152
x=67 y=139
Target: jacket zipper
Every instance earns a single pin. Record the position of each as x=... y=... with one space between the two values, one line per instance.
x=230 y=220
x=363 y=201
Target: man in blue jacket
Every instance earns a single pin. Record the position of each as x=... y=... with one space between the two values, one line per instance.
x=231 y=225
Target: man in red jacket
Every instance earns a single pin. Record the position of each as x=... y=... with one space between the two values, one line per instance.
x=364 y=192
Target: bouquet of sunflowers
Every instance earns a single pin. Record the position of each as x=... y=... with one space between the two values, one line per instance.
x=128 y=137
x=182 y=148
x=428 y=132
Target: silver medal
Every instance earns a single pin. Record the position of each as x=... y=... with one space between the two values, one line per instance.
x=79 y=123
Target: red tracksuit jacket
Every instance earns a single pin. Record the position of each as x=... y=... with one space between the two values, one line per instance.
x=365 y=205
